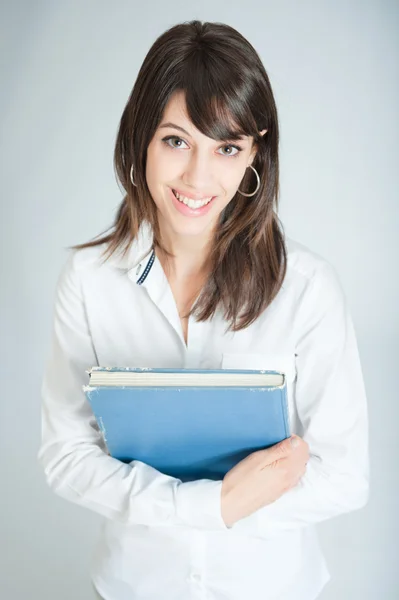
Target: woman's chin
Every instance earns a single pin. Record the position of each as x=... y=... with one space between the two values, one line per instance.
x=190 y=229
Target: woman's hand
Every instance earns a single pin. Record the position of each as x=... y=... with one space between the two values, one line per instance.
x=262 y=477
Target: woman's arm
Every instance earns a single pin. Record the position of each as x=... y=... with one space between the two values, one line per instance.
x=332 y=408
x=72 y=452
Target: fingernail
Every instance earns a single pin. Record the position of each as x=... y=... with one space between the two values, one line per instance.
x=294 y=442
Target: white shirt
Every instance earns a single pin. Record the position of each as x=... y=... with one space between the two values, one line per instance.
x=163 y=539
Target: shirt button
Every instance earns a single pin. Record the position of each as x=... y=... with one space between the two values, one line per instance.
x=196 y=577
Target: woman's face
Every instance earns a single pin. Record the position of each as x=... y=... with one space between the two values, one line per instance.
x=203 y=172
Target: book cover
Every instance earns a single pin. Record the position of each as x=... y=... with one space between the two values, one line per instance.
x=197 y=425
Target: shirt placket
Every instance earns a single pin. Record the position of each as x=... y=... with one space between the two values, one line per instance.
x=153 y=278
x=197 y=576
x=194 y=344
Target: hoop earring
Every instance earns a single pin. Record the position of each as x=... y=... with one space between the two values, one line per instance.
x=257 y=185
x=131 y=176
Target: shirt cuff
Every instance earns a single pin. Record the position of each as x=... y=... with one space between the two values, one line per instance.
x=198 y=503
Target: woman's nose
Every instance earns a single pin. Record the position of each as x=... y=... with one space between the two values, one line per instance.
x=198 y=172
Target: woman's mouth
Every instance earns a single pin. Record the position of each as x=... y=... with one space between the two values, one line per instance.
x=190 y=207
x=190 y=202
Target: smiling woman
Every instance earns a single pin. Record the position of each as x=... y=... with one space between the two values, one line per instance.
x=202 y=121
x=197 y=274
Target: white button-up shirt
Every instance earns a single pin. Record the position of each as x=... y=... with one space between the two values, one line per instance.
x=164 y=539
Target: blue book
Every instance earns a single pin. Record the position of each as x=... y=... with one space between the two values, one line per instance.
x=191 y=424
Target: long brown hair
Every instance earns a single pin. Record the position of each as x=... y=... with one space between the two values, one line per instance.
x=224 y=82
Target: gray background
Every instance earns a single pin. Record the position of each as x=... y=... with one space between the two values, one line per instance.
x=67 y=70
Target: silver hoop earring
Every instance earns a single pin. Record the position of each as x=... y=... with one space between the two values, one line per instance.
x=257 y=185
x=131 y=176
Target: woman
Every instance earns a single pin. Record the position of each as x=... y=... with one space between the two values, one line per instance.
x=196 y=273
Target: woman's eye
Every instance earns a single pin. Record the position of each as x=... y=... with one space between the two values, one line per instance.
x=231 y=148
x=173 y=138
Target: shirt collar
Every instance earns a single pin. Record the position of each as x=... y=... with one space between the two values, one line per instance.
x=139 y=250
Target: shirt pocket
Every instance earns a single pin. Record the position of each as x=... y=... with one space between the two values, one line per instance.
x=281 y=362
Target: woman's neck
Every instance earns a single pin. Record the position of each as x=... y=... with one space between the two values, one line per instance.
x=190 y=255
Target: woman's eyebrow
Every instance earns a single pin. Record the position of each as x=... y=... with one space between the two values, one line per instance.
x=169 y=124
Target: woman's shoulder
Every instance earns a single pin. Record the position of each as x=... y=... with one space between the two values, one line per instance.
x=94 y=257
x=124 y=256
x=312 y=275
x=303 y=262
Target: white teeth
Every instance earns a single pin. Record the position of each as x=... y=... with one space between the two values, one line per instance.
x=192 y=203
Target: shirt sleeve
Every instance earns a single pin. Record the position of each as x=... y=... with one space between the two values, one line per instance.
x=331 y=403
x=72 y=452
